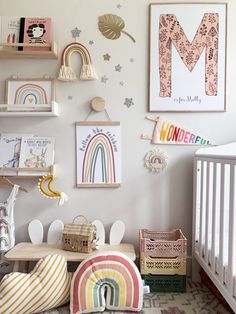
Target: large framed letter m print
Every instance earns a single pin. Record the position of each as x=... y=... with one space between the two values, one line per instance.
x=187 y=56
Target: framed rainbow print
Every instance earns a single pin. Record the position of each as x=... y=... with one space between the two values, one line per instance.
x=32 y=94
x=98 y=147
x=187 y=56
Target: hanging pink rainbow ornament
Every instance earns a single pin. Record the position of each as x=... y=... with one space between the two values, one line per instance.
x=66 y=72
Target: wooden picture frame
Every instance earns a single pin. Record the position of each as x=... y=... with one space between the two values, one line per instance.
x=29 y=94
x=187 y=62
x=98 y=154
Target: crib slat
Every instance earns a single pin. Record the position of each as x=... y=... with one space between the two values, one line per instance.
x=201 y=209
x=207 y=212
x=195 y=238
x=222 y=201
x=213 y=248
x=232 y=231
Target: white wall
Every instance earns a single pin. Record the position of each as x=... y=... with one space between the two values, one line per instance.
x=145 y=200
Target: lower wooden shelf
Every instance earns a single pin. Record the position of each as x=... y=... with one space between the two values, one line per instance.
x=26 y=172
x=9 y=110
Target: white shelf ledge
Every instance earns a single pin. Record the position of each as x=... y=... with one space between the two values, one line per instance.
x=9 y=110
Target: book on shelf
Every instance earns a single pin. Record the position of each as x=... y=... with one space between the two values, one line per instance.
x=9 y=31
x=35 y=31
x=10 y=148
x=36 y=152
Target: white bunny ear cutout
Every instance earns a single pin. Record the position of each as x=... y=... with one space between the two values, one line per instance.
x=55 y=232
x=35 y=230
x=100 y=231
x=117 y=232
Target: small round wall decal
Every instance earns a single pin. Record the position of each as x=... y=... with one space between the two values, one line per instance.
x=156 y=160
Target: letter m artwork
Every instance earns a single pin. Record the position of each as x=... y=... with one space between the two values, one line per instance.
x=206 y=38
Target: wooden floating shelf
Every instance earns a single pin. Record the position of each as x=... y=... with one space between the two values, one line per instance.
x=24 y=111
x=10 y=51
x=26 y=172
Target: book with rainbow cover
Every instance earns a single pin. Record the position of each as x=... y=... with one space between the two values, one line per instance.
x=35 y=31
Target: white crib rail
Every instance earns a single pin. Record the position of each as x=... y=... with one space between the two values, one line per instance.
x=214 y=221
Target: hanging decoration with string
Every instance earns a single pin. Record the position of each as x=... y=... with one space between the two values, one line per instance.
x=47 y=190
x=66 y=72
x=98 y=149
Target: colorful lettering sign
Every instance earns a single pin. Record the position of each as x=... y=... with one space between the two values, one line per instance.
x=166 y=132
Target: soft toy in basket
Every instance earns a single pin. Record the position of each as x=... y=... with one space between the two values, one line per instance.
x=79 y=237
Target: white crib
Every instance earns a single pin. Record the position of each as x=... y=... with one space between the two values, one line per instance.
x=214 y=217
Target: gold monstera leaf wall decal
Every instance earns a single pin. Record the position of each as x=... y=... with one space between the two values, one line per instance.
x=111 y=26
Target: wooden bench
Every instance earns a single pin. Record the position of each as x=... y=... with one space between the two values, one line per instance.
x=26 y=252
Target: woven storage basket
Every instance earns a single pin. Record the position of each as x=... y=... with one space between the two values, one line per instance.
x=162 y=266
x=162 y=244
x=79 y=237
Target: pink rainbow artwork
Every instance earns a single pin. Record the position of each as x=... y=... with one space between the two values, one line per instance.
x=30 y=94
x=99 y=144
x=112 y=272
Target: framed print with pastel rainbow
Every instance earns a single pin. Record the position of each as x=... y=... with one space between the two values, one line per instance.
x=98 y=148
x=32 y=94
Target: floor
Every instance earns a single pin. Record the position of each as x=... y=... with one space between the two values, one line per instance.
x=197 y=300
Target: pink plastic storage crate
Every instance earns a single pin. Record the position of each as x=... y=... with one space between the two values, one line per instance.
x=162 y=244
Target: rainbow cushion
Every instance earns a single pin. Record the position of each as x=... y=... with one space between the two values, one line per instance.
x=46 y=287
x=113 y=272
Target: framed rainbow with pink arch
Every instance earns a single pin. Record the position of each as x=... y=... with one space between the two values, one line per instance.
x=29 y=92
x=98 y=154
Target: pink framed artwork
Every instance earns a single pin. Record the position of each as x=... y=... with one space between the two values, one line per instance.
x=187 y=56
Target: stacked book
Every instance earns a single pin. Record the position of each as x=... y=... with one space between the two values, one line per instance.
x=25 y=151
x=163 y=257
x=26 y=30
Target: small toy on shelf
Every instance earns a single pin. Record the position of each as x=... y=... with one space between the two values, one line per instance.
x=79 y=237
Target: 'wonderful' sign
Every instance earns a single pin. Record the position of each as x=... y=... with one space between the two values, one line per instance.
x=165 y=132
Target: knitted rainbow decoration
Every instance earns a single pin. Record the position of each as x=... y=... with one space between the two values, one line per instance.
x=113 y=272
x=66 y=72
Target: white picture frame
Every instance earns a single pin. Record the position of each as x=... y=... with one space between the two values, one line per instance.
x=98 y=154
x=35 y=93
x=187 y=64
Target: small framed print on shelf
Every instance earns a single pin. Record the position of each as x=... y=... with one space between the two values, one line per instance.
x=98 y=148
x=187 y=56
x=29 y=94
